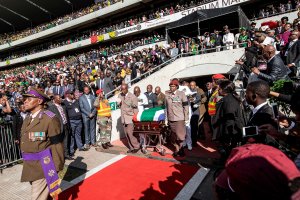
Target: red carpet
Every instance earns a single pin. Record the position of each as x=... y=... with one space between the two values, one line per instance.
x=133 y=178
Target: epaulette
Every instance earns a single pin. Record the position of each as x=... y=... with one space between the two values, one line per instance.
x=49 y=113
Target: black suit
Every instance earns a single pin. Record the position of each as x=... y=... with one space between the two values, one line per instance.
x=263 y=116
x=276 y=70
x=293 y=54
x=218 y=40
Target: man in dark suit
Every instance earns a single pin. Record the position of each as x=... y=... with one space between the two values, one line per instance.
x=86 y=102
x=257 y=93
x=57 y=89
x=276 y=68
x=105 y=83
x=59 y=110
x=152 y=99
x=218 y=40
x=292 y=52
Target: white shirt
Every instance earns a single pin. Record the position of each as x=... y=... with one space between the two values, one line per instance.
x=89 y=100
x=142 y=101
x=35 y=114
x=258 y=107
x=228 y=38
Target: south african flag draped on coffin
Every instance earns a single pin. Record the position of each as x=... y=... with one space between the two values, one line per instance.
x=152 y=114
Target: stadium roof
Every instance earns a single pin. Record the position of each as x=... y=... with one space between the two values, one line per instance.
x=21 y=14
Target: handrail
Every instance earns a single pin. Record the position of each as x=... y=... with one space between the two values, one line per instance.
x=158 y=67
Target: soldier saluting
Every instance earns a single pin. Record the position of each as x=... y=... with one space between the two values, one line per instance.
x=41 y=146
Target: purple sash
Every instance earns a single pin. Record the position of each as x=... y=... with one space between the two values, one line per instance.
x=48 y=166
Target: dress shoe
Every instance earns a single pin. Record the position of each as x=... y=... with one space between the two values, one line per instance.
x=129 y=151
x=72 y=155
x=175 y=154
x=181 y=152
x=94 y=145
x=68 y=158
x=104 y=146
x=135 y=150
x=109 y=144
x=83 y=149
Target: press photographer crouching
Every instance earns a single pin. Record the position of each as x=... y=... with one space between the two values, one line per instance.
x=288 y=132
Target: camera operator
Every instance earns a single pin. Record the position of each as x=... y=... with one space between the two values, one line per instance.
x=289 y=132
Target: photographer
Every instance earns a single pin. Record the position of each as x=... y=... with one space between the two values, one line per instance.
x=289 y=132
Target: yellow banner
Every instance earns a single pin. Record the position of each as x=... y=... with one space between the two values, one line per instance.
x=112 y=34
x=7 y=62
x=100 y=38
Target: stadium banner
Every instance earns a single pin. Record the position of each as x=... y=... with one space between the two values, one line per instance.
x=128 y=30
x=212 y=5
x=100 y=38
x=179 y=15
x=112 y=34
x=93 y=39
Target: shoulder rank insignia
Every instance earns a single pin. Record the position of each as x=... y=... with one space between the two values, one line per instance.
x=49 y=113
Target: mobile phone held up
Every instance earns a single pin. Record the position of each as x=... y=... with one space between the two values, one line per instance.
x=275 y=110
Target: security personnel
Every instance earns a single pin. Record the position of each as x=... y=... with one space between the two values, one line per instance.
x=42 y=147
x=103 y=119
x=177 y=114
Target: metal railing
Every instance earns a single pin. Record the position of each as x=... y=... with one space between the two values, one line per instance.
x=189 y=54
x=272 y=15
x=9 y=150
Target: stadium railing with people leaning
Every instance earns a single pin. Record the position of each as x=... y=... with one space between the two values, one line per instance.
x=9 y=149
x=158 y=67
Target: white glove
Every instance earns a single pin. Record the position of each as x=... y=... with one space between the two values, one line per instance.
x=195 y=106
x=118 y=101
x=187 y=123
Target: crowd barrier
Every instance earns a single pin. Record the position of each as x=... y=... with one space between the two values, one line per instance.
x=9 y=150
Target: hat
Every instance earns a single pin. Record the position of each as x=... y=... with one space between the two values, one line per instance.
x=174 y=82
x=243 y=28
x=33 y=92
x=99 y=91
x=218 y=76
x=257 y=170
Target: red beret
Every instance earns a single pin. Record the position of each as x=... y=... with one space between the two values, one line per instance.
x=174 y=82
x=218 y=76
x=258 y=169
x=99 y=91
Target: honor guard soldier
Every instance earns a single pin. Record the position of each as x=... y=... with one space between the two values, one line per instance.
x=129 y=106
x=103 y=119
x=177 y=115
x=42 y=147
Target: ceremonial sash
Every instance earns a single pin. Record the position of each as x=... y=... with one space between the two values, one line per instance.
x=48 y=167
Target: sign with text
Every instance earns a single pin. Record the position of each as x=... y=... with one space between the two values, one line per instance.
x=113 y=105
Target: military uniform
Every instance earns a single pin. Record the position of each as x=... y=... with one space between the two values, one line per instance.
x=129 y=106
x=177 y=112
x=41 y=132
x=103 y=119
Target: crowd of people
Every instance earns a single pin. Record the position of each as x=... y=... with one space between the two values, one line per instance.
x=245 y=126
x=272 y=9
x=175 y=6
x=108 y=50
x=13 y=36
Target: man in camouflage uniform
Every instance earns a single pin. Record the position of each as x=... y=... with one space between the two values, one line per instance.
x=103 y=120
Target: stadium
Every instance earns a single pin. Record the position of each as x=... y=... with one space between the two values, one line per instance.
x=144 y=99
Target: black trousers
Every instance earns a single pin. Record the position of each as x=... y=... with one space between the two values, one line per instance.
x=66 y=140
x=194 y=128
